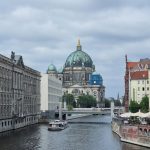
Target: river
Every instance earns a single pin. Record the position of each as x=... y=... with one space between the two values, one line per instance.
x=78 y=136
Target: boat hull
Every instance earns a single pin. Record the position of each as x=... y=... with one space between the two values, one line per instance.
x=57 y=125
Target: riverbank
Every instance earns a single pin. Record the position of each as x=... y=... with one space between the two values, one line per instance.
x=135 y=134
x=75 y=137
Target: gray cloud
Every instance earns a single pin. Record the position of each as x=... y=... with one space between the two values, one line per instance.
x=45 y=32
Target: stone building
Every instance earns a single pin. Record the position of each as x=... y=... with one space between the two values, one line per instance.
x=19 y=93
x=137 y=81
x=78 y=76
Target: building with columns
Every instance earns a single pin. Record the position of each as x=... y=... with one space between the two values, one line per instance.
x=19 y=93
x=137 y=81
x=78 y=76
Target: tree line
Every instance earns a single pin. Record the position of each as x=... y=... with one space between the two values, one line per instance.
x=85 y=101
x=143 y=106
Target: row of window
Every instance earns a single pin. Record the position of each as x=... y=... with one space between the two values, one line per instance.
x=54 y=83
x=143 y=88
x=5 y=73
x=143 y=81
x=54 y=90
x=10 y=122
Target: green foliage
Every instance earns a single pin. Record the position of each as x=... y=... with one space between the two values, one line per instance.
x=107 y=103
x=123 y=102
x=69 y=98
x=117 y=103
x=70 y=107
x=134 y=106
x=144 y=105
x=86 y=101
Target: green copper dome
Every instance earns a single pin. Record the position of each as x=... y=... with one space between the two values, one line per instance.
x=60 y=70
x=79 y=58
x=51 y=67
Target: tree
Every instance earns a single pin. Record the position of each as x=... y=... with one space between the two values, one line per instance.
x=117 y=103
x=123 y=102
x=134 y=106
x=144 y=105
x=69 y=98
x=107 y=103
x=86 y=101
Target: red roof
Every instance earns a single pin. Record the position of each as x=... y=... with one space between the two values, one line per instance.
x=132 y=64
x=139 y=75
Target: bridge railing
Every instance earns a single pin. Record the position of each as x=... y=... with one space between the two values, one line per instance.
x=93 y=109
x=88 y=109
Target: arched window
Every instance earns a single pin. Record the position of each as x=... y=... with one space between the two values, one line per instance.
x=145 y=131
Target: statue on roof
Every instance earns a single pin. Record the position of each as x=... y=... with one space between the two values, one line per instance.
x=12 y=55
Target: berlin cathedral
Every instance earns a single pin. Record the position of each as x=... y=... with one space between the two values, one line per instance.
x=78 y=76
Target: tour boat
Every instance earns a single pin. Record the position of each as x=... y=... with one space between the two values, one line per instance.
x=57 y=125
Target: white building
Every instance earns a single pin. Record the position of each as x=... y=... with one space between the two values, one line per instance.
x=139 y=83
x=51 y=92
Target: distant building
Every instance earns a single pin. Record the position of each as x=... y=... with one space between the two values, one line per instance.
x=51 y=91
x=19 y=93
x=78 y=76
x=137 y=81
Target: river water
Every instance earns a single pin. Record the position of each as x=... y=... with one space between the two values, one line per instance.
x=78 y=136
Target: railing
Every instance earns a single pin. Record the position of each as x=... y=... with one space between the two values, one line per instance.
x=102 y=111
x=93 y=109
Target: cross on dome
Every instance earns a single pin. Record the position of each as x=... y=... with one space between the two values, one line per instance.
x=79 y=47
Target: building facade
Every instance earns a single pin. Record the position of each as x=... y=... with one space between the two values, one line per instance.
x=51 y=91
x=137 y=81
x=19 y=93
x=78 y=76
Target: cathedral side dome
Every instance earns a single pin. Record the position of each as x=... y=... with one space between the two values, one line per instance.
x=51 y=68
x=79 y=58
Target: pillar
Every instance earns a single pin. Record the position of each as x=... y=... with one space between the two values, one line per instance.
x=60 y=111
x=112 y=109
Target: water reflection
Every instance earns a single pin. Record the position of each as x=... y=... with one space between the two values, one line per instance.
x=75 y=137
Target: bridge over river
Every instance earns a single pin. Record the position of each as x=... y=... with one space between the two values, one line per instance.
x=101 y=111
x=89 y=111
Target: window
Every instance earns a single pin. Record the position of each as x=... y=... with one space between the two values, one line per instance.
x=147 y=82
x=138 y=88
x=147 y=88
x=143 y=82
x=143 y=89
x=138 y=82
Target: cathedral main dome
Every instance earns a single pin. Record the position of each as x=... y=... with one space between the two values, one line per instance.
x=79 y=58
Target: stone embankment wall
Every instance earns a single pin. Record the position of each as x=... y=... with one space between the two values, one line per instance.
x=116 y=127
x=16 y=123
x=135 y=134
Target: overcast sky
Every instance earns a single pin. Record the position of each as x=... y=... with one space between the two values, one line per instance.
x=46 y=31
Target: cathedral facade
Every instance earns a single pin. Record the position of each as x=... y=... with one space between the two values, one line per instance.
x=78 y=76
